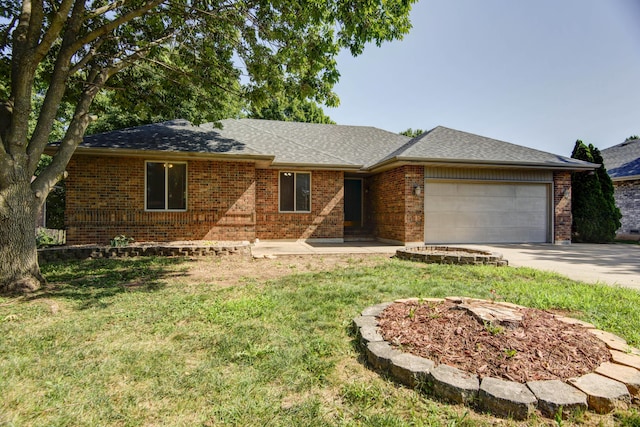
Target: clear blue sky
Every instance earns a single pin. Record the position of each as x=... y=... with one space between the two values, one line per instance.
x=536 y=73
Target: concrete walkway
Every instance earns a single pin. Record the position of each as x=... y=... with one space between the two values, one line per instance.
x=612 y=264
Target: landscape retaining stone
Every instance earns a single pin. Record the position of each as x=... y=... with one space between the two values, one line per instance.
x=625 y=358
x=62 y=253
x=612 y=341
x=625 y=374
x=411 y=370
x=450 y=255
x=375 y=310
x=370 y=334
x=554 y=395
x=361 y=321
x=453 y=384
x=571 y=321
x=603 y=394
x=380 y=353
x=506 y=398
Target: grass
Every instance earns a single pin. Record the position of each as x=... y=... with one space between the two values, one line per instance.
x=127 y=343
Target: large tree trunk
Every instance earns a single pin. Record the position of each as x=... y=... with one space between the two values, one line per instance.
x=19 y=270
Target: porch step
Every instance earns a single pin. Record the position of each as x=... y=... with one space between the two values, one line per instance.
x=359 y=238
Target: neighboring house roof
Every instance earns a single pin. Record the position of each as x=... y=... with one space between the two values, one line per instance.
x=623 y=160
x=332 y=146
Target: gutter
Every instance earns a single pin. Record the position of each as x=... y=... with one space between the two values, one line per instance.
x=261 y=159
x=401 y=161
x=317 y=166
x=625 y=178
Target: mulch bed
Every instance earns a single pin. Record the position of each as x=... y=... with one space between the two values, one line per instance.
x=539 y=348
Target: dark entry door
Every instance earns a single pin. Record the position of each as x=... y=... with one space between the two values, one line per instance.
x=353 y=202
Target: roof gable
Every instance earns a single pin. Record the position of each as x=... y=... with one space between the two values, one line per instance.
x=443 y=144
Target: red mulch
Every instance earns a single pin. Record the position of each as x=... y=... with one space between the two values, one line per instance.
x=540 y=348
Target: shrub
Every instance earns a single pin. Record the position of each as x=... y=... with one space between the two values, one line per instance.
x=595 y=215
x=121 y=241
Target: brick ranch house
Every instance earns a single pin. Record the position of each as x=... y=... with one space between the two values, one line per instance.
x=261 y=179
x=623 y=164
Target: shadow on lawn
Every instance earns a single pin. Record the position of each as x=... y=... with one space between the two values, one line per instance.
x=93 y=282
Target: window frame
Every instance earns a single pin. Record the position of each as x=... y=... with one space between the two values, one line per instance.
x=166 y=186
x=295 y=180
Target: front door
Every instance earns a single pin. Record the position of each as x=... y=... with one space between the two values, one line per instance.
x=353 y=202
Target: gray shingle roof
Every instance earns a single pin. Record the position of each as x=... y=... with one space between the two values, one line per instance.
x=171 y=136
x=444 y=145
x=312 y=143
x=623 y=160
x=323 y=145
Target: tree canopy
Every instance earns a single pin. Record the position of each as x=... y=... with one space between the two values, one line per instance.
x=412 y=133
x=291 y=110
x=56 y=58
x=595 y=215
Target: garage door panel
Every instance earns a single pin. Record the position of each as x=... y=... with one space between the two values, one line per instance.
x=530 y=204
x=486 y=213
x=531 y=190
x=472 y=204
x=443 y=189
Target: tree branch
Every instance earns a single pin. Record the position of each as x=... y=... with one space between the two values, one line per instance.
x=35 y=24
x=22 y=76
x=112 y=25
x=56 y=90
x=87 y=58
x=56 y=26
x=105 y=9
x=177 y=70
x=50 y=176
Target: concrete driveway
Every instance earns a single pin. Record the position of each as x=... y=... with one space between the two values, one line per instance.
x=613 y=264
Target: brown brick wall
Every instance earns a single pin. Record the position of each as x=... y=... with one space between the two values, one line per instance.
x=392 y=208
x=627 y=195
x=562 y=207
x=327 y=208
x=105 y=198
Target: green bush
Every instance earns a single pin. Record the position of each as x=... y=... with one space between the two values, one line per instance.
x=595 y=215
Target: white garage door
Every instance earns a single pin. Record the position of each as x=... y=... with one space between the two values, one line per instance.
x=486 y=213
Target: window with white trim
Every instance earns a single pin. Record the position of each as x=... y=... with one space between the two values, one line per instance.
x=165 y=186
x=295 y=192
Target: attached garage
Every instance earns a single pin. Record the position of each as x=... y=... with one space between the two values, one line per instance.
x=459 y=211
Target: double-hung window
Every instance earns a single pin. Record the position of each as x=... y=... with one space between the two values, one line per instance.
x=295 y=192
x=166 y=186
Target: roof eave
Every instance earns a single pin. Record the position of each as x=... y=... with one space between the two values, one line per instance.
x=625 y=178
x=260 y=159
x=316 y=166
x=400 y=161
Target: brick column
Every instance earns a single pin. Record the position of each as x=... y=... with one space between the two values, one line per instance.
x=562 y=207
x=414 y=204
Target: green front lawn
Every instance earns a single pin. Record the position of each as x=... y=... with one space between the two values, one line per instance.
x=128 y=343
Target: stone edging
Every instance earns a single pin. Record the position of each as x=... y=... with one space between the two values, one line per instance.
x=611 y=385
x=86 y=252
x=451 y=255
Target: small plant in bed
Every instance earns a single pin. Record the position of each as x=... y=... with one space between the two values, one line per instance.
x=121 y=241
